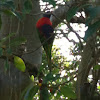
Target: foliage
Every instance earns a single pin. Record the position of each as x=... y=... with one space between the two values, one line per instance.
x=27 y=6
x=54 y=85
x=67 y=91
x=8 y=8
x=92 y=28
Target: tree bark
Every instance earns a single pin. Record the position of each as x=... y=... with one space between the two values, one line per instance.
x=13 y=81
x=84 y=67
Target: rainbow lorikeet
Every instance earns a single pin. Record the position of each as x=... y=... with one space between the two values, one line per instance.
x=45 y=32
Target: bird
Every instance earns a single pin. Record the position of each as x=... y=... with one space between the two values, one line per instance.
x=46 y=35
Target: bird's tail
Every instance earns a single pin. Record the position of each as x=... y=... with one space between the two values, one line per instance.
x=48 y=54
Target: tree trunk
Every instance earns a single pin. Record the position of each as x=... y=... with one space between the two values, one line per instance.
x=12 y=82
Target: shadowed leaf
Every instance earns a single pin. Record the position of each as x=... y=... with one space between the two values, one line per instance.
x=30 y=93
x=27 y=6
x=96 y=67
x=92 y=29
x=67 y=91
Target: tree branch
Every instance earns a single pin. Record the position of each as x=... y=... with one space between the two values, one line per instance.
x=61 y=13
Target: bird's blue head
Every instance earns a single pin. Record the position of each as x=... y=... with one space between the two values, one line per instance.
x=47 y=14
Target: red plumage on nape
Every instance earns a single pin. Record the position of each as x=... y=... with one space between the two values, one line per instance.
x=42 y=21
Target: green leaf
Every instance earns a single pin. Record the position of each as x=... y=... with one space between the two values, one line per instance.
x=19 y=63
x=71 y=12
x=67 y=91
x=18 y=15
x=51 y=2
x=92 y=29
x=32 y=78
x=90 y=9
x=40 y=70
x=0 y=22
x=11 y=6
x=6 y=64
x=50 y=77
x=30 y=93
x=59 y=94
x=55 y=70
x=9 y=51
x=17 y=41
x=25 y=90
x=44 y=93
x=10 y=9
x=6 y=38
x=98 y=87
x=27 y=6
x=7 y=12
x=12 y=12
x=96 y=67
x=8 y=4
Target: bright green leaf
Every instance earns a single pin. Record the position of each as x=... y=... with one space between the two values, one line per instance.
x=96 y=67
x=67 y=91
x=98 y=87
x=92 y=29
x=19 y=63
x=30 y=93
x=51 y=2
x=27 y=6
x=32 y=78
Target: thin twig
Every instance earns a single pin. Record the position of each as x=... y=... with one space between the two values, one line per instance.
x=69 y=28
x=67 y=37
x=39 y=46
